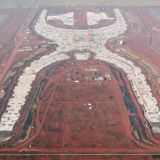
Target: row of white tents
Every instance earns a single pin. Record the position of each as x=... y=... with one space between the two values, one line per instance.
x=94 y=18
x=68 y=18
x=95 y=43
x=23 y=88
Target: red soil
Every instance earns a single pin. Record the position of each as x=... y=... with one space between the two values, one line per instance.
x=80 y=17
x=139 y=42
x=65 y=122
x=78 y=157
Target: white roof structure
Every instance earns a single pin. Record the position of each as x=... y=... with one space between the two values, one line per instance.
x=95 y=43
x=82 y=56
x=94 y=18
x=66 y=18
x=74 y=39
x=23 y=88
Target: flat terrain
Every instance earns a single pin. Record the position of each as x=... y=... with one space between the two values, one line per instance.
x=78 y=157
x=8 y=33
x=69 y=110
x=75 y=118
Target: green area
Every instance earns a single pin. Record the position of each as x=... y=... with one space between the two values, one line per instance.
x=13 y=70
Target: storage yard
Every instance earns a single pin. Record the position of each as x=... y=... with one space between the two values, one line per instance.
x=80 y=80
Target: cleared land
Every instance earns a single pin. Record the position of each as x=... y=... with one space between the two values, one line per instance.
x=81 y=157
x=8 y=33
x=68 y=110
x=75 y=117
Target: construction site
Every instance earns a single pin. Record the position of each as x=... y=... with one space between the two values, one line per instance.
x=80 y=81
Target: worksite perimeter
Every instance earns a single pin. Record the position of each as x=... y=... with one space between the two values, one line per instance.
x=75 y=101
